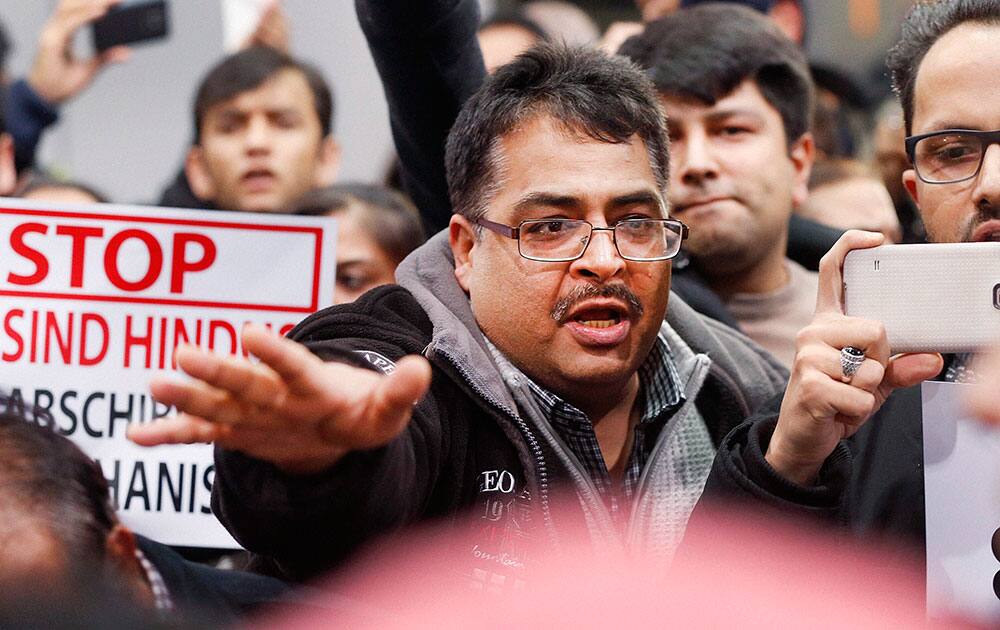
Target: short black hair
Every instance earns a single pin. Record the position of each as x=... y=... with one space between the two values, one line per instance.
x=607 y=98
x=47 y=478
x=248 y=69
x=926 y=22
x=705 y=52
x=387 y=216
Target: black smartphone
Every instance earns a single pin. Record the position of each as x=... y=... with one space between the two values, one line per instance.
x=130 y=22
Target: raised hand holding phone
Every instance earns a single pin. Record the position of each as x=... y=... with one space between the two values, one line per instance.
x=828 y=400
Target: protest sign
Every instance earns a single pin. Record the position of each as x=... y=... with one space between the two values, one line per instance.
x=962 y=496
x=93 y=302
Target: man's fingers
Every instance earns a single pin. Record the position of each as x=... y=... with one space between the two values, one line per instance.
x=907 y=370
x=830 y=296
x=837 y=332
x=202 y=400
x=182 y=429
x=290 y=360
x=117 y=54
x=388 y=409
x=68 y=19
x=255 y=384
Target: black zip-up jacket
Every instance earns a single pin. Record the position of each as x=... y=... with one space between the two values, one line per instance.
x=476 y=444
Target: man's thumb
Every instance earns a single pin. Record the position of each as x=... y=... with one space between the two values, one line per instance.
x=907 y=370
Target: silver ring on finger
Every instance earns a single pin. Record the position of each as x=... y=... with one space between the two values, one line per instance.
x=851 y=359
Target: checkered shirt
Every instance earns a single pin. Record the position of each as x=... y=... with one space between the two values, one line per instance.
x=161 y=594
x=660 y=395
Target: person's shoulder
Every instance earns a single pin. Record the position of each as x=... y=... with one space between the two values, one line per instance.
x=386 y=307
x=386 y=323
x=749 y=365
x=203 y=588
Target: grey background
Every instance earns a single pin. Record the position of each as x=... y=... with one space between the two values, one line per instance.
x=128 y=133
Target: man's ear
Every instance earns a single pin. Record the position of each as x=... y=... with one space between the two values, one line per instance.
x=802 y=154
x=201 y=181
x=329 y=163
x=910 y=184
x=788 y=16
x=120 y=546
x=462 y=237
x=8 y=172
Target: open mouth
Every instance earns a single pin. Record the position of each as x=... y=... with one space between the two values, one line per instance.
x=600 y=326
x=598 y=318
x=258 y=179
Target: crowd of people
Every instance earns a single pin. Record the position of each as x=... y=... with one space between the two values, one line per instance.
x=598 y=311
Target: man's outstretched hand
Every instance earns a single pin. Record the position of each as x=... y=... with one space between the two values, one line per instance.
x=292 y=408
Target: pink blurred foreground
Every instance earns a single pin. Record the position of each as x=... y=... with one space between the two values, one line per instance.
x=733 y=571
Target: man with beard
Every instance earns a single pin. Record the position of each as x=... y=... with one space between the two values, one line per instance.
x=738 y=99
x=548 y=370
x=944 y=70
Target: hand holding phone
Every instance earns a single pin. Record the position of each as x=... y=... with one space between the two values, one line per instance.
x=57 y=74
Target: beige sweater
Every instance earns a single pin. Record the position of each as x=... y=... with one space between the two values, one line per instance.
x=773 y=319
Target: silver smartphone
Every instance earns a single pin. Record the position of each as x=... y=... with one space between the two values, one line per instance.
x=931 y=298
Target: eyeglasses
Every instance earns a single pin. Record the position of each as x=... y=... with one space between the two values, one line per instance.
x=949 y=156
x=562 y=240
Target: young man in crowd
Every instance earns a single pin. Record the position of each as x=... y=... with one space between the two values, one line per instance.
x=843 y=381
x=263 y=135
x=738 y=99
x=548 y=368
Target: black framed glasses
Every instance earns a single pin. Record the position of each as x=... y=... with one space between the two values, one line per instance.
x=951 y=155
x=563 y=240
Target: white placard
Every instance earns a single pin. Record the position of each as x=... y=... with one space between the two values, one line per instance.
x=962 y=492
x=93 y=301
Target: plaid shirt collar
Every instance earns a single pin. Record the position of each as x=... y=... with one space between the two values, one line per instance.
x=161 y=594
x=660 y=394
x=659 y=388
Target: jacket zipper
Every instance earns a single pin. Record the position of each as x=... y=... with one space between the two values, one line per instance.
x=700 y=370
x=533 y=444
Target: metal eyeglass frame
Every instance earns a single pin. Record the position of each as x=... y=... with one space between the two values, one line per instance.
x=515 y=233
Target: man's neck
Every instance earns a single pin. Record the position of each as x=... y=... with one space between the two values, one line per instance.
x=768 y=275
x=612 y=415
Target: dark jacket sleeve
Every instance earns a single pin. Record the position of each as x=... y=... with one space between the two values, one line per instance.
x=741 y=474
x=872 y=483
x=428 y=58
x=306 y=525
x=26 y=116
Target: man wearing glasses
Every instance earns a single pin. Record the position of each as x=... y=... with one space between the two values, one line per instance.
x=945 y=71
x=547 y=372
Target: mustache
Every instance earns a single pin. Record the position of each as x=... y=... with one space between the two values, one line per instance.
x=588 y=291
x=985 y=211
